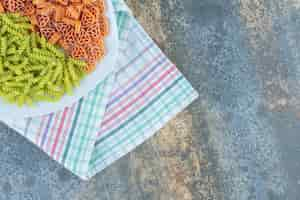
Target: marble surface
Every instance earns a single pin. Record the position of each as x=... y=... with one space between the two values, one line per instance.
x=238 y=141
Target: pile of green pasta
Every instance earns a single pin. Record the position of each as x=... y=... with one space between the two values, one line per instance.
x=31 y=69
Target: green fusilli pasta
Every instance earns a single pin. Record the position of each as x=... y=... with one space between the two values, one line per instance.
x=3 y=46
x=31 y=69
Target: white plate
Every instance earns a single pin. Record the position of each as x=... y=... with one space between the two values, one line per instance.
x=103 y=68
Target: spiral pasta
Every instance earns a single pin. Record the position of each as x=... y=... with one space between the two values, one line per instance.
x=32 y=69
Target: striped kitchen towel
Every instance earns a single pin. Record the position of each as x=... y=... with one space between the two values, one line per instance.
x=124 y=110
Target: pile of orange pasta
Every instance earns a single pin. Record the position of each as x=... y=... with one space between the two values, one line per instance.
x=78 y=26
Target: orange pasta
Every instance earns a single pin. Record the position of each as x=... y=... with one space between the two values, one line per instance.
x=33 y=20
x=69 y=21
x=103 y=26
x=43 y=5
x=63 y=2
x=29 y=9
x=38 y=2
x=87 y=18
x=63 y=44
x=70 y=37
x=101 y=5
x=75 y=1
x=45 y=11
x=78 y=52
x=94 y=53
x=78 y=26
x=72 y=13
x=89 y=68
x=1 y=8
x=62 y=28
x=13 y=5
x=87 y=1
x=54 y=38
x=47 y=32
x=43 y=20
x=93 y=10
x=83 y=38
x=59 y=13
x=78 y=7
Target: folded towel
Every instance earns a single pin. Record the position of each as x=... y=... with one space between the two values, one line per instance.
x=124 y=110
